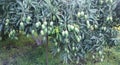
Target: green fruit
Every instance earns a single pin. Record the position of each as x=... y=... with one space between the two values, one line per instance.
x=38 y=24
x=43 y=26
x=78 y=15
x=73 y=48
x=51 y=23
x=63 y=33
x=106 y=1
x=101 y=60
x=93 y=56
x=54 y=18
x=78 y=38
x=42 y=32
x=88 y=24
x=50 y=28
x=76 y=29
x=58 y=50
x=6 y=24
x=100 y=52
x=102 y=56
x=101 y=1
x=77 y=61
x=91 y=27
x=23 y=18
x=110 y=18
x=86 y=17
x=96 y=26
x=66 y=32
x=111 y=1
x=7 y=20
x=66 y=50
x=45 y=30
x=28 y=35
x=13 y=31
x=82 y=13
x=28 y=18
x=45 y=23
x=69 y=27
x=67 y=40
x=76 y=48
x=56 y=43
x=21 y=24
x=33 y=31
x=104 y=28
x=72 y=27
x=75 y=54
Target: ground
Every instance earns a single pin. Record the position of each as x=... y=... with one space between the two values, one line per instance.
x=25 y=52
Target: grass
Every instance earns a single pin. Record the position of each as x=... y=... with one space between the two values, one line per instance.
x=25 y=52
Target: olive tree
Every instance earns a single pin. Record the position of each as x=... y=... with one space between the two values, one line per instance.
x=74 y=28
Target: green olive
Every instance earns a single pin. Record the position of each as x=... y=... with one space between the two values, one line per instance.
x=51 y=23
x=13 y=31
x=72 y=27
x=91 y=27
x=58 y=50
x=67 y=40
x=76 y=29
x=6 y=24
x=63 y=33
x=96 y=26
x=75 y=54
x=100 y=52
x=68 y=27
x=28 y=18
x=33 y=31
x=104 y=28
x=45 y=30
x=101 y=1
x=66 y=50
x=54 y=18
x=86 y=17
x=78 y=15
x=56 y=43
x=88 y=24
x=66 y=32
x=43 y=26
x=111 y=1
x=110 y=18
x=21 y=24
x=45 y=23
x=106 y=1
x=73 y=48
x=93 y=56
x=82 y=13
x=78 y=38
x=7 y=20
x=38 y=24
x=42 y=32
x=28 y=35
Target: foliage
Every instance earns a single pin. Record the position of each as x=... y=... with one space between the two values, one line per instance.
x=75 y=28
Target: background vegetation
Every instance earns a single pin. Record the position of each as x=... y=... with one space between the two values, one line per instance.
x=76 y=32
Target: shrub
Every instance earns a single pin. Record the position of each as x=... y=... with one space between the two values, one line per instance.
x=75 y=28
